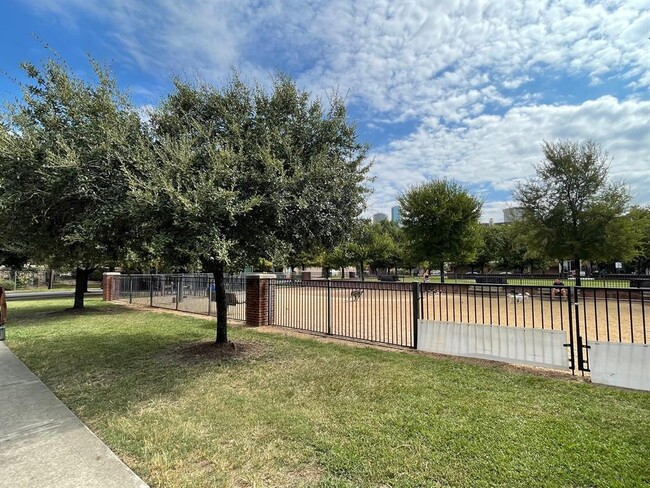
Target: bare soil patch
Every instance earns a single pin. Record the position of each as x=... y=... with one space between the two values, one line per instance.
x=210 y=351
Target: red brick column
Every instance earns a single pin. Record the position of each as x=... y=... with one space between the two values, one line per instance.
x=258 y=299
x=111 y=292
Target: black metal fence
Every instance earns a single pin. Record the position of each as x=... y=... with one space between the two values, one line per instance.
x=543 y=307
x=388 y=313
x=611 y=315
x=34 y=279
x=369 y=311
x=186 y=293
x=506 y=278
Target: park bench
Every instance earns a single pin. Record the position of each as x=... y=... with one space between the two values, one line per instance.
x=494 y=279
x=388 y=277
x=231 y=298
x=640 y=283
x=479 y=289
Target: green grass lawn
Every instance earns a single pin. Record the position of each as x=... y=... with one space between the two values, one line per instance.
x=293 y=411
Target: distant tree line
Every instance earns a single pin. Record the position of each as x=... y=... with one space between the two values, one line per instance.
x=570 y=211
x=214 y=179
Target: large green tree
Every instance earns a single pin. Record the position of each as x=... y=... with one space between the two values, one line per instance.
x=515 y=253
x=571 y=210
x=641 y=218
x=359 y=246
x=386 y=251
x=492 y=243
x=238 y=173
x=441 y=221
x=63 y=151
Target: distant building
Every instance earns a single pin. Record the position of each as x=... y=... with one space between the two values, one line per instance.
x=511 y=214
x=378 y=217
x=395 y=214
x=491 y=222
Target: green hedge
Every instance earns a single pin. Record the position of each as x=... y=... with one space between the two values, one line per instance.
x=7 y=284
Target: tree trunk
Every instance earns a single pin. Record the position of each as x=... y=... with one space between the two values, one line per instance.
x=442 y=273
x=222 y=305
x=81 y=286
x=576 y=265
x=361 y=272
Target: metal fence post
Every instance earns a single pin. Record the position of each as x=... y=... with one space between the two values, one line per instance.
x=130 y=289
x=329 y=307
x=151 y=291
x=572 y=357
x=209 y=297
x=271 y=300
x=573 y=293
x=416 y=312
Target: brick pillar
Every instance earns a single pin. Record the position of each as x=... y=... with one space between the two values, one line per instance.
x=111 y=291
x=258 y=299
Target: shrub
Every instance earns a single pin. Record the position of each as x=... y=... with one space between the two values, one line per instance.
x=7 y=284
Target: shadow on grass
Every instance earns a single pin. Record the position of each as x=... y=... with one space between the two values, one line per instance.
x=121 y=358
x=41 y=314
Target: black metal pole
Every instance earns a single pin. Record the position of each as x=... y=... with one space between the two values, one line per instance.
x=329 y=307
x=570 y=314
x=573 y=293
x=209 y=297
x=179 y=287
x=416 y=312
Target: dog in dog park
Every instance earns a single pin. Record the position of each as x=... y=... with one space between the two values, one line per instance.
x=519 y=297
x=355 y=295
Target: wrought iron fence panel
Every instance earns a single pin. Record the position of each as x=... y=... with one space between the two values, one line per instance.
x=194 y=293
x=388 y=312
x=367 y=311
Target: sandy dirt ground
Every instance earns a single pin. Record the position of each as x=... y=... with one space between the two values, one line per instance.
x=386 y=315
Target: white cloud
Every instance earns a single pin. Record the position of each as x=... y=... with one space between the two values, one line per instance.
x=499 y=151
x=413 y=58
x=432 y=57
x=482 y=81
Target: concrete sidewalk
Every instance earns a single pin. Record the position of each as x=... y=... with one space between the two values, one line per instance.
x=44 y=444
x=44 y=295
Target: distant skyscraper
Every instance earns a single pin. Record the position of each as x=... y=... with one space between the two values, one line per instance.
x=395 y=214
x=511 y=214
x=378 y=217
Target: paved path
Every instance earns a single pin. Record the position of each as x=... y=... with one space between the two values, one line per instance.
x=38 y=295
x=43 y=444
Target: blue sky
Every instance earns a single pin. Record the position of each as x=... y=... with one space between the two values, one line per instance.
x=458 y=88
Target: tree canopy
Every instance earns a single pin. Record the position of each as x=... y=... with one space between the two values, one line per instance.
x=238 y=173
x=63 y=151
x=570 y=210
x=441 y=222
x=641 y=218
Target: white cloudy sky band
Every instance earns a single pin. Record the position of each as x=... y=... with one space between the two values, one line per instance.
x=465 y=89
